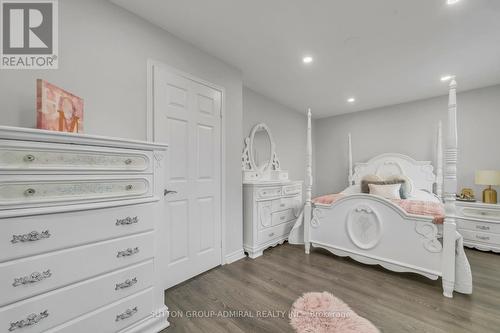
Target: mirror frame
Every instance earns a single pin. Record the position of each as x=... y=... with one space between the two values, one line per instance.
x=255 y=129
x=248 y=164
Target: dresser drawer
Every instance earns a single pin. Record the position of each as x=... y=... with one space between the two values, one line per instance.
x=65 y=304
x=269 y=192
x=481 y=213
x=275 y=232
x=35 y=275
x=478 y=226
x=112 y=318
x=35 y=191
x=481 y=237
x=292 y=189
x=282 y=217
x=23 y=156
x=25 y=236
x=287 y=203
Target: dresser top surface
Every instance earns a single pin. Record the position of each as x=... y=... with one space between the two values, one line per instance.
x=37 y=135
x=477 y=204
x=271 y=183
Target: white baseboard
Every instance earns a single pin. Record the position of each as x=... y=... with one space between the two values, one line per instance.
x=235 y=256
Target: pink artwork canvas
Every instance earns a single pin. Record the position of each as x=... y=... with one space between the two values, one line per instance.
x=57 y=109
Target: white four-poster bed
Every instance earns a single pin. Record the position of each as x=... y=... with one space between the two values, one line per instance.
x=374 y=230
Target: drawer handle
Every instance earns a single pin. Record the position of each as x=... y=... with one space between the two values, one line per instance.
x=282 y=205
x=32 y=319
x=32 y=278
x=129 y=187
x=167 y=192
x=29 y=192
x=127 y=314
x=271 y=234
x=30 y=237
x=482 y=227
x=128 y=252
x=128 y=220
x=126 y=284
x=482 y=237
x=29 y=158
x=128 y=161
x=282 y=218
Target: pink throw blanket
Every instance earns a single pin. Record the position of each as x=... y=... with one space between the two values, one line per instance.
x=425 y=208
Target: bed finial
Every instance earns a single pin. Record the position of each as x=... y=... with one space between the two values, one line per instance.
x=309 y=183
x=439 y=161
x=350 y=179
x=450 y=190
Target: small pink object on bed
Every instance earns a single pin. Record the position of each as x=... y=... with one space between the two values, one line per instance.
x=415 y=207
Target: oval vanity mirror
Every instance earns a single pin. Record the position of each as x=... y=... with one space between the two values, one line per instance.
x=261 y=149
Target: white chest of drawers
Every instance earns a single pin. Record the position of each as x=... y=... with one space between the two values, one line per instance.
x=269 y=213
x=479 y=224
x=78 y=240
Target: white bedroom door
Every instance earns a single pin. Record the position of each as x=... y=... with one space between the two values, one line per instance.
x=187 y=116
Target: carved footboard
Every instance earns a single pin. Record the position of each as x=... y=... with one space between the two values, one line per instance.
x=373 y=230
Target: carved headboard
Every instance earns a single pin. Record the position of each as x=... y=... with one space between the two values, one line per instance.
x=420 y=172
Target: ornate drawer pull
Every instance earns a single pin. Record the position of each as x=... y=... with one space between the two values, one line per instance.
x=482 y=237
x=126 y=284
x=128 y=252
x=29 y=158
x=282 y=205
x=128 y=161
x=271 y=234
x=128 y=220
x=32 y=278
x=282 y=218
x=482 y=227
x=129 y=187
x=32 y=319
x=29 y=192
x=30 y=237
x=127 y=314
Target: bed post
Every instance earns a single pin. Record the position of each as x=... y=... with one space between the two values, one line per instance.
x=450 y=189
x=350 y=159
x=309 y=182
x=439 y=162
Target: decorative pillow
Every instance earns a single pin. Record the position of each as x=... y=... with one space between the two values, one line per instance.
x=365 y=183
x=406 y=186
x=386 y=191
x=369 y=179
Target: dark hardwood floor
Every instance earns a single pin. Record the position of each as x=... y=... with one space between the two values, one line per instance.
x=394 y=302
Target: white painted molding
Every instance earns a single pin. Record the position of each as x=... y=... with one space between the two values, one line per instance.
x=234 y=256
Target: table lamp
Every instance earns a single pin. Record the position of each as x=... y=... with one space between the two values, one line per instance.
x=489 y=178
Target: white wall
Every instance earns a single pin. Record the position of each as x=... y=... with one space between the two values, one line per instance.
x=102 y=57
x=410 y=129
x=287 y=126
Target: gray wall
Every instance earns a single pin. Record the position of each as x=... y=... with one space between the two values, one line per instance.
x=103 y=54
x=287 y=126
x=410 y=129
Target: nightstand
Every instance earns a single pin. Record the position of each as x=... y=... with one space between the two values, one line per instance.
x=479 y=224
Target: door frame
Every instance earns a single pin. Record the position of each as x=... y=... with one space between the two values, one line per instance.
x=151 y=63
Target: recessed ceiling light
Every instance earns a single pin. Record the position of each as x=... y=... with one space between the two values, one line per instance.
x=307 y=59
x=452 y=2
x=351 y=100
x=447 y=77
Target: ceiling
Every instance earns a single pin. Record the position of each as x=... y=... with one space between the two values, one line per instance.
x=381 y=52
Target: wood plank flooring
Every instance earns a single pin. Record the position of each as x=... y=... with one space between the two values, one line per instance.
x=394 y=302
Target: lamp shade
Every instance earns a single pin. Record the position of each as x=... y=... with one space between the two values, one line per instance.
x=487 y=177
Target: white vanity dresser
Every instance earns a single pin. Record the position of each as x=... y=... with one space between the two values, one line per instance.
x=78 y=216
x=271 y=202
